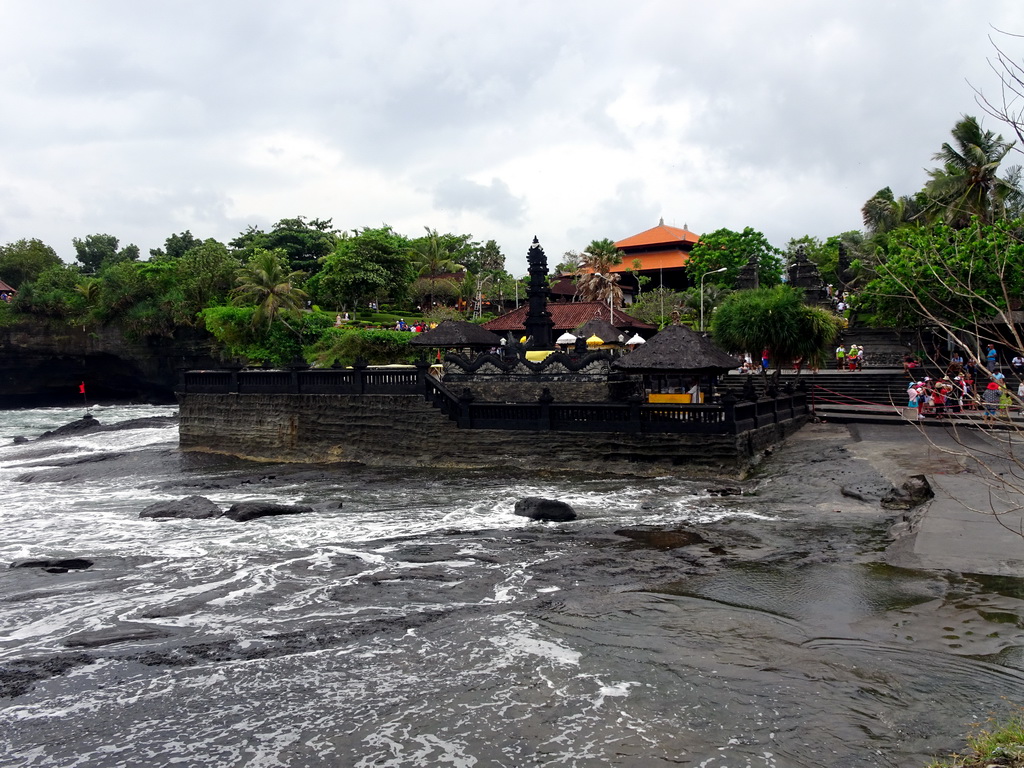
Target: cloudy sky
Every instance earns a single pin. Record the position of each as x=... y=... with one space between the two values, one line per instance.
x=504 y=119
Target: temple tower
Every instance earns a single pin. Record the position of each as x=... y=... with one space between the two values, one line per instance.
x=538 y=320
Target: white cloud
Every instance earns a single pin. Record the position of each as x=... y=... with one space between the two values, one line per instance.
x=572 y=120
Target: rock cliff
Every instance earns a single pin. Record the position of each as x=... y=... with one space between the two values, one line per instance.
x=42 y=363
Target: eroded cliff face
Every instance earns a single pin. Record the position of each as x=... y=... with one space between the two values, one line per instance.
x=405 y=430
x=42 y=363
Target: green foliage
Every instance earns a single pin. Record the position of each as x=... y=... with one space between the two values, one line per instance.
x=957 y=276
x=371 y=264
x=96 y=251
x=656 y=306
x=175 y=247
x=302 y=243
x=995 y=742
x=53 y=293
x=25 y=260
x=732 y=250
x=775 y=318
x=342 y=346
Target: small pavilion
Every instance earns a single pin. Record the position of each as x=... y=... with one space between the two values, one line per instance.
x=677 y=365
x=457 y=334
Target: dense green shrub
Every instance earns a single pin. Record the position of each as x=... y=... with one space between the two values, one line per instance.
x=342 y=346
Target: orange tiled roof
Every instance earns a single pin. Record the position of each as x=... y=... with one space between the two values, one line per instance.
x=6 y=288
x=667 y=259
x=566 y=317
x=659 y=235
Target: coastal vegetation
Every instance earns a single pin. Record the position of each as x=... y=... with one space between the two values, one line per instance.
x=997 y=742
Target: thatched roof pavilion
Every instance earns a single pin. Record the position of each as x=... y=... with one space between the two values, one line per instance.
x=598 y=326
x=457 y=333
x=677 y=349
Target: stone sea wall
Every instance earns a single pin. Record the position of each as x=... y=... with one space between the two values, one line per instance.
x=406 y=430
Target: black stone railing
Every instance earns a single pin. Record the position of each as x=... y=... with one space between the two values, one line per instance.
x=730 y=416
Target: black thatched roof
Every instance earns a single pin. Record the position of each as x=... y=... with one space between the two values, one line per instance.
x=601 y=328
x=677 y=349
x=457 y=333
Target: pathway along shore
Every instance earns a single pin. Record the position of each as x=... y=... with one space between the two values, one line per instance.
x=970 y=526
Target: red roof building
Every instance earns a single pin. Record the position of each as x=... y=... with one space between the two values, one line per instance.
x=662 y=251
x=568 y=317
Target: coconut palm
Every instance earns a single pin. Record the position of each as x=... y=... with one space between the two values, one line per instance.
x=968 y=183
x=595 y=280
x=431 y=259
x=265 y=282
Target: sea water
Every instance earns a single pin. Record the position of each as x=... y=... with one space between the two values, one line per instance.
x=412 y=619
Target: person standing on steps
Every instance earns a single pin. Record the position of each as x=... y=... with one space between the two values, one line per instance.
x=840 y=357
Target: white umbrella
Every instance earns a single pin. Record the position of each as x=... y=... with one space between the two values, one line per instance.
x=566 y=338
x=637 y=339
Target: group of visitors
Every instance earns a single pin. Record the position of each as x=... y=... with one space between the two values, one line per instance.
x=947 y=395
x=418 y=327
x=850 y=359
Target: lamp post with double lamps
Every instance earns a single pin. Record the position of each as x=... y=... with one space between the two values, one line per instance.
x=712 y=272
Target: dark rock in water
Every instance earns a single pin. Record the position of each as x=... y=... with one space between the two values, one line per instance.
x=20 y=440
x=725 y=491
x=662 y=539
x=250 y=510
x=54 y=565
x=537 y=508
x=188 y=508
x=915 y=491
x=103 y=637
x=85 y=424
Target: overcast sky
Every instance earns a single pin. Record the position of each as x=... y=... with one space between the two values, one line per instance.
x=562 y=119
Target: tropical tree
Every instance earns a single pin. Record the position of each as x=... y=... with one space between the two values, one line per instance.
x=303 y=243
x=732 y=250
x=433 y=261
x=96 y=251
x=25 y=260
x=968 y=183
x=175 y=246
x=367 y=264
x=265 y=282
x=595 y=280
x=777 y=319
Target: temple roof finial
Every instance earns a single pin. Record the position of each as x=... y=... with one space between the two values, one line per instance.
x=661 y=222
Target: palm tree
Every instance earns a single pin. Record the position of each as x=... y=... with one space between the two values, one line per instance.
x=595 y=280
x=430 y=259
x=265 y=282
x=968 y=183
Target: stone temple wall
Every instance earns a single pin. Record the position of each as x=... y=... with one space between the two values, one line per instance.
x=404 y=429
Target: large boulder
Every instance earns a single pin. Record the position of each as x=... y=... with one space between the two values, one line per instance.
x=536 y=508
x=243 y=511
x=87 y=423
x=914 y=492
x=188 y=508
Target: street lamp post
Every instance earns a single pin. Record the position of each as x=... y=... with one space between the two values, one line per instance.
x=712 y=272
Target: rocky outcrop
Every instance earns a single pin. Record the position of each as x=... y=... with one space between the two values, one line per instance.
x=188 y=508
x=550 y=510
x=244 y=511
x=916 y=490
x=43 y=363
x=55 y=565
